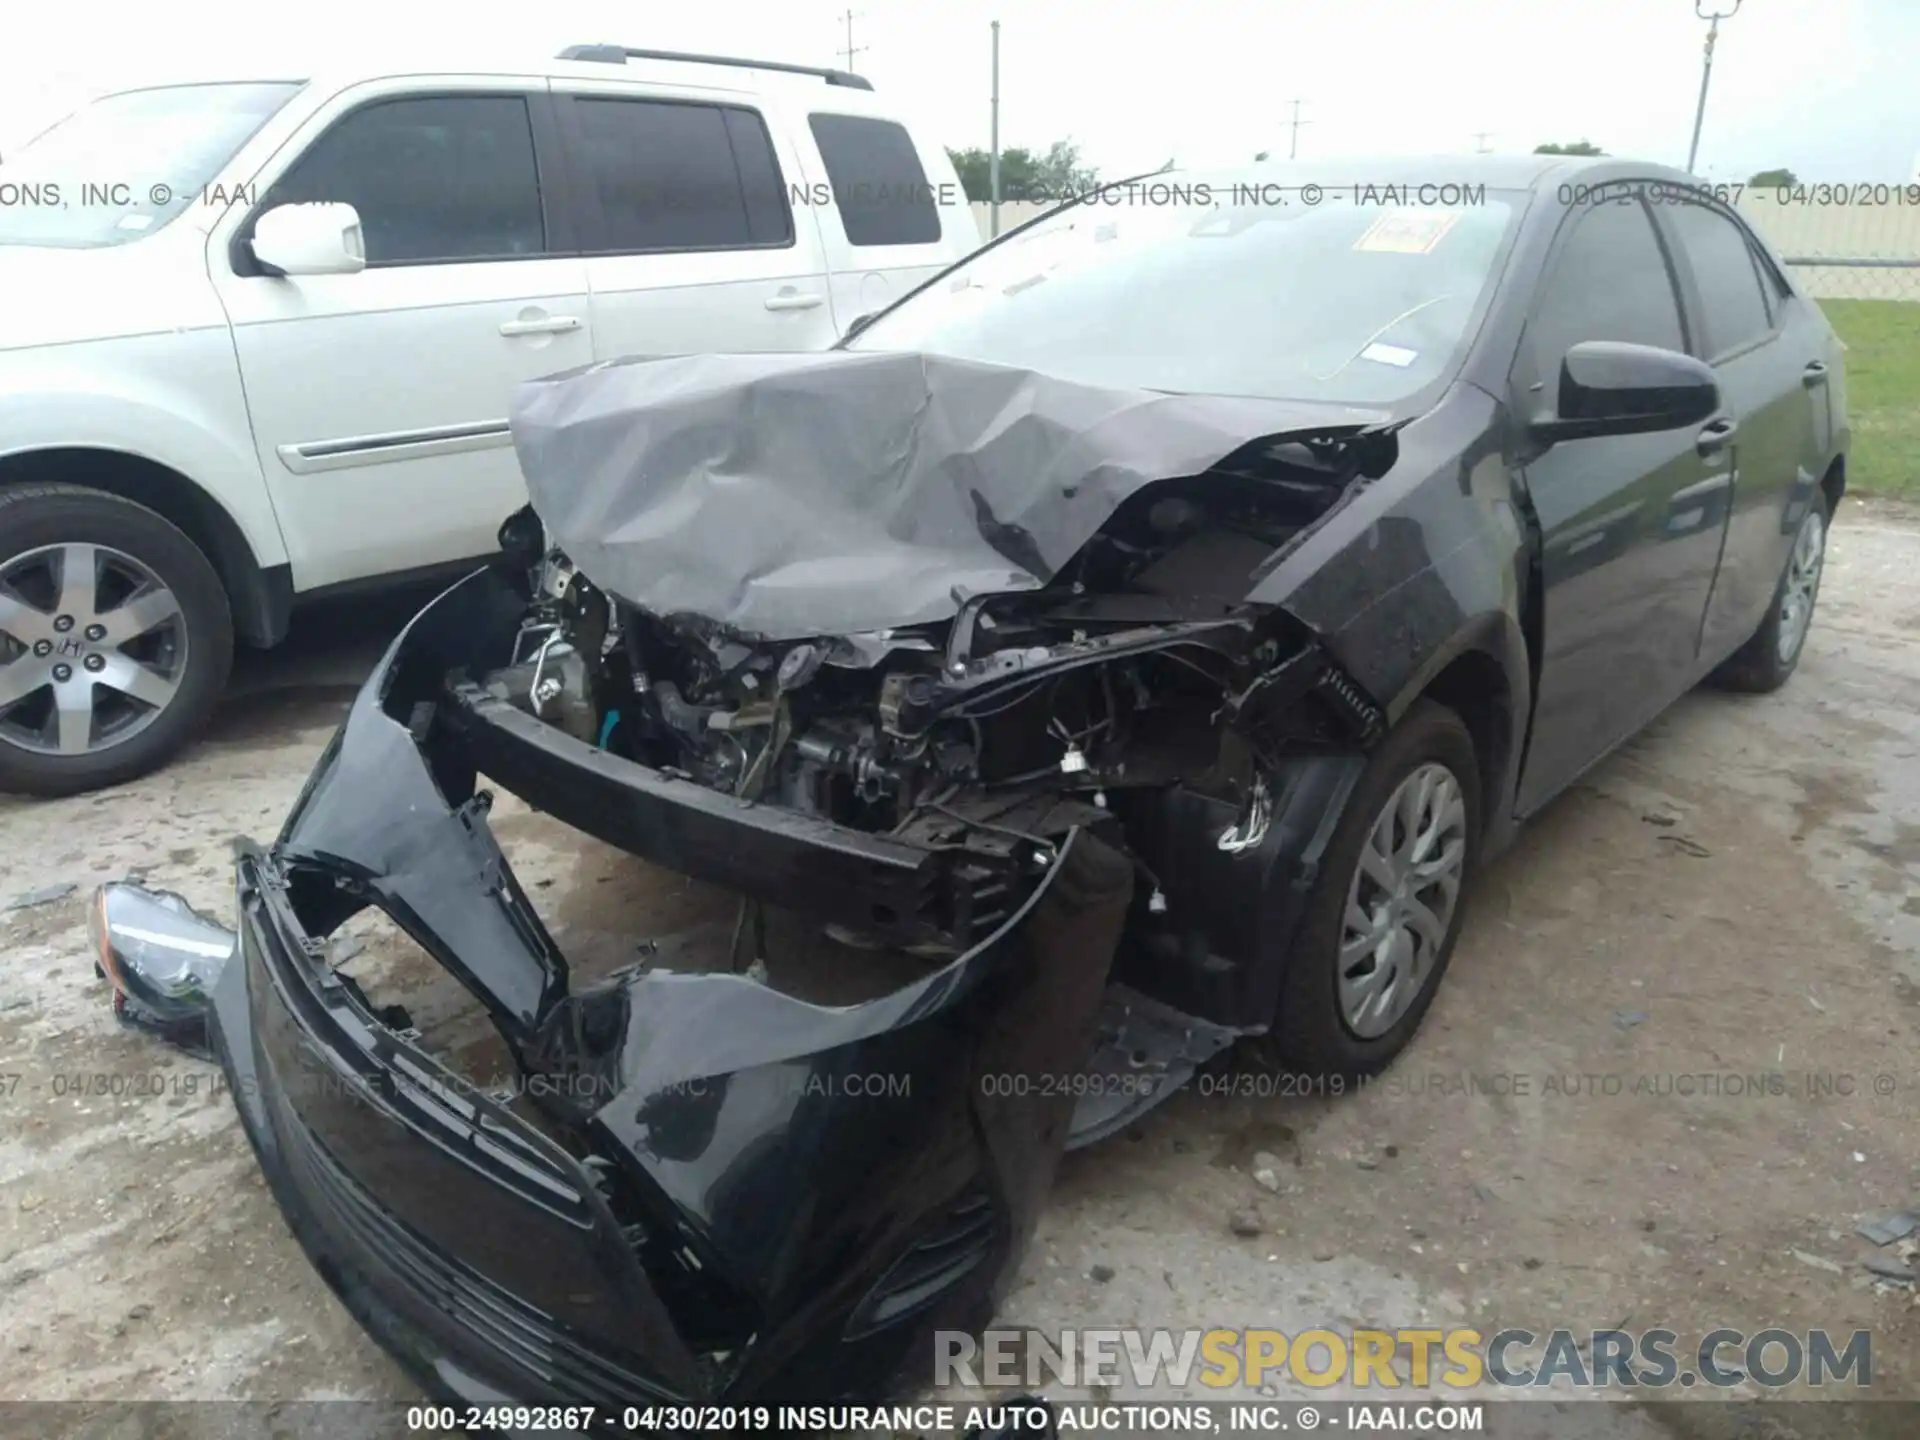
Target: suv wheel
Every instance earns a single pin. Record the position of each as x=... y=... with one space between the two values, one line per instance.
x=115 y=639
x=1381 y=922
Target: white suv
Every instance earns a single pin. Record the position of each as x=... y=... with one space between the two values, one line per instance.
x=260 y=337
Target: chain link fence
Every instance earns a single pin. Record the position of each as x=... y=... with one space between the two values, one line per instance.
x=1858 y=242
x=1856 y=250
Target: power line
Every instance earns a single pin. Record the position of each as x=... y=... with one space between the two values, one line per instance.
x=850 y=49
x=1293 y=144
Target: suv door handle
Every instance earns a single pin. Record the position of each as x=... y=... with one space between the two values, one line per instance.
x=1814 y=374
x=1714 y=435
x=787 y=300
x=552 y=325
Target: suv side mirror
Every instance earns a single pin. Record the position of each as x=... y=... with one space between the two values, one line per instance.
x=310 y=240
x=1608 y=387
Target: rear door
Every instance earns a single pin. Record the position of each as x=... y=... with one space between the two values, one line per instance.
x=690 y=238
x=891 y=216
x=379 y=400
x=1767 y=349
x=1631 y=524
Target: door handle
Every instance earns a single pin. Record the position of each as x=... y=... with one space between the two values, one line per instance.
x=552 y=325
x=793 y=302
x=1814 y=374
x=1714 y=436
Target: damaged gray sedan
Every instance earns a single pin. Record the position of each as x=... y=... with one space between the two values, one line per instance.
x=1127 y=643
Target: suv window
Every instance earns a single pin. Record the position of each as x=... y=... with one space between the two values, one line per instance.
x=1734 y=308
x=1609 y=282
x=675 y=176
x=879 y=185
x=447 y=177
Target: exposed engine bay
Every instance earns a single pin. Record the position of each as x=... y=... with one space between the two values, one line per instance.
x=1136 y=667
x=952 y=666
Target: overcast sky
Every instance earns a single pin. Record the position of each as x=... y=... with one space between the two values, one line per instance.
x=1825 y=87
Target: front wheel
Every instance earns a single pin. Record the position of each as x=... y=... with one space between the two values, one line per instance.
x=1381 y=922
x=115 y=639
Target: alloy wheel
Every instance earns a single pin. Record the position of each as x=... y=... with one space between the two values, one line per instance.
x=93 y=647
x=1401 y=900
x=1803 y=585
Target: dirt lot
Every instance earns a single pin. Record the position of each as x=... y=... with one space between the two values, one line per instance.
x=1586 y=1132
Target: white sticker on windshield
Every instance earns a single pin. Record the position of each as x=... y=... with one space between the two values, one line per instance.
x=1395 y=355
x=134 y=222
x=1407 y=232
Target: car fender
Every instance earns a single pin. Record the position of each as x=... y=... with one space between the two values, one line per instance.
x=174 y=400
x=1412 y=574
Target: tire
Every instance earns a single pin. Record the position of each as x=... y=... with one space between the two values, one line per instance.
x=163 y=660
x=1313 y=1033
x=1759 y=666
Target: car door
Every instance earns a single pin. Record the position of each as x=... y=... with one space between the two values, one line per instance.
x=379 y=400
x=691 y=241
x=1630 y=525
x=1766 y=348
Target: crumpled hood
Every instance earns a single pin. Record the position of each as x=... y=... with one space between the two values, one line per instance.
x=842 y=492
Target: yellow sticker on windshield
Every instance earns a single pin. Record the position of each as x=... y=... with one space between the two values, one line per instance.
x=1407 y=232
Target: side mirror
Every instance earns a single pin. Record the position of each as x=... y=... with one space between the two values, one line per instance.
x=310 y=240
x=1608 y=387
x=860 y=322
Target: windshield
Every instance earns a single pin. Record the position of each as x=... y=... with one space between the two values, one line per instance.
x=125 y=165
x=1275 y=297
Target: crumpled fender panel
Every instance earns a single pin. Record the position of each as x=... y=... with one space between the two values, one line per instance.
x=844 y=492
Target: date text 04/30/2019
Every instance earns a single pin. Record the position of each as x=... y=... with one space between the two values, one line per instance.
x=1133 y=1417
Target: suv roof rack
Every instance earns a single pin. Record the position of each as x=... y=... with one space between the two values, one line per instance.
x=620 y=54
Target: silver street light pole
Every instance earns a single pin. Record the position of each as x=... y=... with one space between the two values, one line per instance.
x=993 y=155
x=1713 y=19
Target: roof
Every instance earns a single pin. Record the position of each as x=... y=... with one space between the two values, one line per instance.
x=1495 y=172
x=487 y=60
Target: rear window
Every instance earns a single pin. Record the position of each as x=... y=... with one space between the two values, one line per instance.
x=673 y=176
x=1728 y=280
x=879 y=185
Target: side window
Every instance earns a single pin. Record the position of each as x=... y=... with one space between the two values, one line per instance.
x=1609 y=282
x=1734 y=307
x=447 y=177
x=673 y=176
x=879 y=185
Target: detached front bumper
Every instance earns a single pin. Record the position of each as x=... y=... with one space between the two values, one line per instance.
x=396 y=1179
x=729 y=1193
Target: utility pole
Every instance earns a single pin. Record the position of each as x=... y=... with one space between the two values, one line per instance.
x=993 y=155
x=1713 y=19
x=851 y=50
x=1480 y=146
x=1293 y=145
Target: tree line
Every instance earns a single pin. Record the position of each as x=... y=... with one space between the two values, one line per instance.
x=1061 y=170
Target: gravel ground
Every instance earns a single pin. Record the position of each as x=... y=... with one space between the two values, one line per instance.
x=1735 y=895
